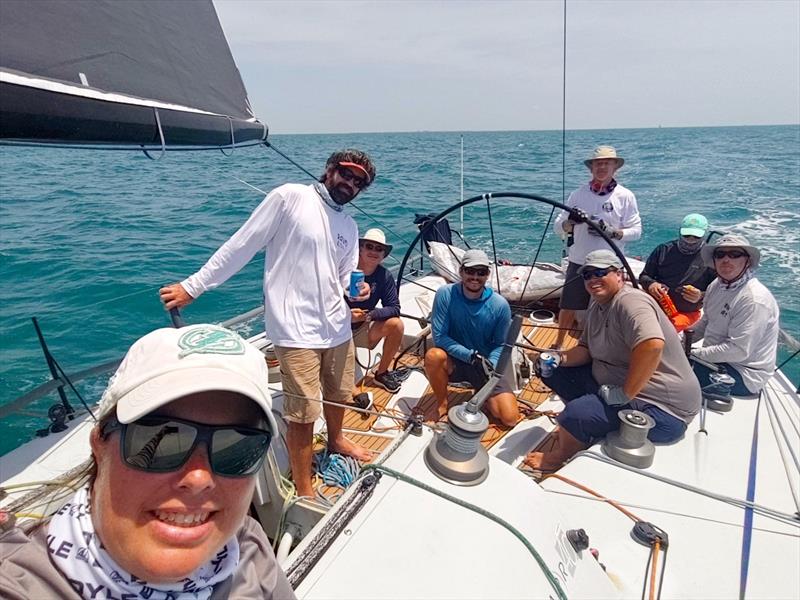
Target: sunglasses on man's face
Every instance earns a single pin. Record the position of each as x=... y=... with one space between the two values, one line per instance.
x=718 y=254
x=164 y=444
x=346 y=174
x=479 y=271
x=599 y=273
x=372 y=247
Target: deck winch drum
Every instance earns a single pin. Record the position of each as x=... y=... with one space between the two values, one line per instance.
x=629 y=444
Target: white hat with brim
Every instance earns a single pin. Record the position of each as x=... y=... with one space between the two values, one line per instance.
x=168 y=364
x=376 y=235
x=604 y=152
x=731 y=240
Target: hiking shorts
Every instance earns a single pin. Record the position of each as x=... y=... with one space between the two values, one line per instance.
x=306 y=371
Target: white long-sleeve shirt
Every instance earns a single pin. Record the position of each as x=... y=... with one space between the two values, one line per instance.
x=618 y=209
x=311 y=250
x=740 y=326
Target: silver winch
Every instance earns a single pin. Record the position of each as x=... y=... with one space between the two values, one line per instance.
x=629 y=444
x=456 y=455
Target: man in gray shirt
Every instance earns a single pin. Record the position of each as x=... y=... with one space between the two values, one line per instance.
x=629 y=357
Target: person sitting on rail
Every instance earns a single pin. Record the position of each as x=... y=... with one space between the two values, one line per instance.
x=161 y=507
x=469 y=324
x=629 y=357
x=740 y=322
x=370 y=324
x=676 y=270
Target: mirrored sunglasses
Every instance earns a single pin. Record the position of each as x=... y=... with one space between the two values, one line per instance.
x=479 y=271
x=592 y=273
x=373 y=247
x=348 y=175
x=729 y=253
x=163 y=444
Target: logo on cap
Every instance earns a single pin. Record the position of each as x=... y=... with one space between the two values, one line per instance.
x=206 y=340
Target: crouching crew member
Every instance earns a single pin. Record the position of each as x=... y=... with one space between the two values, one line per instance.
x=629 y=357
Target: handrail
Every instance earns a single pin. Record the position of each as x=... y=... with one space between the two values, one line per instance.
x=50 y=386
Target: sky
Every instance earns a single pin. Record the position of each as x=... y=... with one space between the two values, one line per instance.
x=343 y=67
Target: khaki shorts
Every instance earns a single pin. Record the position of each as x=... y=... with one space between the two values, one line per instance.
x=361 y=336
x=302 y=371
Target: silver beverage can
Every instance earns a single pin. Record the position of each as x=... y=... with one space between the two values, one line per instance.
x=547 y=364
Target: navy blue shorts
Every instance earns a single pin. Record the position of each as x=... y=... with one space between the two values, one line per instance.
x=588 y=418
x=739 y=388
x=475 y=376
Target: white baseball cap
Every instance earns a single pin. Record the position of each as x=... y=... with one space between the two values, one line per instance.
x=167 y=364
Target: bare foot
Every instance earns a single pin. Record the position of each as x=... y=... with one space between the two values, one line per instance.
x=307 y=489
x=442 y=414
x=344 y=446
x=542 y=461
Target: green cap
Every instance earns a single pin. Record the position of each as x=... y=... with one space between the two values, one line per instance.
x=694 y=224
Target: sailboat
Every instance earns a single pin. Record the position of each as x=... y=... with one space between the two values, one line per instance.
x=438 y=513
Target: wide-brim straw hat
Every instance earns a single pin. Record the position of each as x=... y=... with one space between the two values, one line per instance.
x=604 y=152
x=731 y=240
x=376 y=235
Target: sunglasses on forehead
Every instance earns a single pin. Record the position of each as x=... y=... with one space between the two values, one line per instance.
x=348 y=175
x=164 y=444
x=729 y=253
x=592 y=273
x=479 y=271
x=373 y=247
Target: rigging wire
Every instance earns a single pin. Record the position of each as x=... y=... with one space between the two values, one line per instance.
x=777 y=515
x=394 y=234
x=563 y=147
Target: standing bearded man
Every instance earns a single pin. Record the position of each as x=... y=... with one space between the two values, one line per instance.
x=303 y=230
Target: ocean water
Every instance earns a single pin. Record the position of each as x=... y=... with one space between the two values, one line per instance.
x=88 y=237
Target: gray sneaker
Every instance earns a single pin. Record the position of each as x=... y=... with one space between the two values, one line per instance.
x=387 y=381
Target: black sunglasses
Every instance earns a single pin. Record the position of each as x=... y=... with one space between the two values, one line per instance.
x=164 y=444
x=480 y=272
x=592 y=273
x=373 y=247
x=347 y=174
x=729 y=253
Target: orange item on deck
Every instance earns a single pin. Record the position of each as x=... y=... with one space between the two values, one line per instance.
x=683 y=321
x=666 y=303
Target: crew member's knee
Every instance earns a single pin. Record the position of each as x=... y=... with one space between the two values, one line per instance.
x=435 y=358
x=586 y=419
x=394 y=326
x=505 y=409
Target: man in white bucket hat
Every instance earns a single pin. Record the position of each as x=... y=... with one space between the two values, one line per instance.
x=740 y=322
x=371 y=324
x=605 y=201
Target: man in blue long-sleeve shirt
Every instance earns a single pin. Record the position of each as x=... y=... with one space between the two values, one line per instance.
x=470 y=322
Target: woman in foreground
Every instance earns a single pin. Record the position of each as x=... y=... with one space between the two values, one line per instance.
x=161 y=506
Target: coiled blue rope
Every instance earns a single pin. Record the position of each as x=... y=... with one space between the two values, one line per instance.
x=336 y=470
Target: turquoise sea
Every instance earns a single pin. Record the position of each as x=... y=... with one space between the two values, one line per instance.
x=87 y=237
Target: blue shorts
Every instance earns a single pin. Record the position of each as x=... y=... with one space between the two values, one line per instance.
x=702 y=373
x=589 y=419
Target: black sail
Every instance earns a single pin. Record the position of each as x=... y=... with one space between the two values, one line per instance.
x=123 y=73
